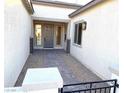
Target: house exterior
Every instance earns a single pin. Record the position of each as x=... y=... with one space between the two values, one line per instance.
x=88 y=33
x=17 y=35
x=97 y=47
x=53 y=21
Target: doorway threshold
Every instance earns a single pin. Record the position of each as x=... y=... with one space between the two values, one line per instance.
x=50 y=48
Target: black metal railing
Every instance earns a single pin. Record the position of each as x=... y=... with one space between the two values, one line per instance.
x=104 y=86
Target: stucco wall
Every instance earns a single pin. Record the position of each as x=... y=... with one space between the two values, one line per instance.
x=99 y=47
x=17 y=33
x=51 y=12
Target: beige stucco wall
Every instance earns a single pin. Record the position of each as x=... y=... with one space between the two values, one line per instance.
x=17 y=35
x=99 y=48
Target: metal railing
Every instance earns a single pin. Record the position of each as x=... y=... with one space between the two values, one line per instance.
x=104 y=86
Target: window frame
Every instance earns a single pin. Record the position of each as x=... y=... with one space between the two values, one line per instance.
x=77 y=36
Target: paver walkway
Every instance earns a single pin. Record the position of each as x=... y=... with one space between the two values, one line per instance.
x=71 y=70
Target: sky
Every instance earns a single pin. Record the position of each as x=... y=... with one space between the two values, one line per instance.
x=82 y=2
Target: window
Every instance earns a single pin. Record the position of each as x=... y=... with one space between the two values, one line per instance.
x=38 y=34
x=58 y=36
x=78 y=33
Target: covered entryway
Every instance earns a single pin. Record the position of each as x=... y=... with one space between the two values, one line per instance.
x=49 y=35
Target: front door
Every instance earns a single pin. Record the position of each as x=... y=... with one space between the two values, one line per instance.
x=48 y=35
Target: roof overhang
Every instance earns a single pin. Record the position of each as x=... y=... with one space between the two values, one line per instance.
x=50 y=19
x=85 y=7
x=28 y=5
x=57 y=4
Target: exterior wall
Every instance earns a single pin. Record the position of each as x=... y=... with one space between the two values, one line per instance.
x=17 y=36
x=99 y=48
x=51 y=12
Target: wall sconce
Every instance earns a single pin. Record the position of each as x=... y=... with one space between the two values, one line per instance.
x=84 y=25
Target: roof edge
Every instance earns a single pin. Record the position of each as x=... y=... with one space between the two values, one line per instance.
x=28 y=5
x=85 y=7
x=57 y=3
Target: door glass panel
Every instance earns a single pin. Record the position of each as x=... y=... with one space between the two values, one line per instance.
x=58 y=36
x=38 y=34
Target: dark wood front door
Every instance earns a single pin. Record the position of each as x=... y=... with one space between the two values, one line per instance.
x=48 y=35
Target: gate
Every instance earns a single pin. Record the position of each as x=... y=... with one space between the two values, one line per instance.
x=104 y=86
